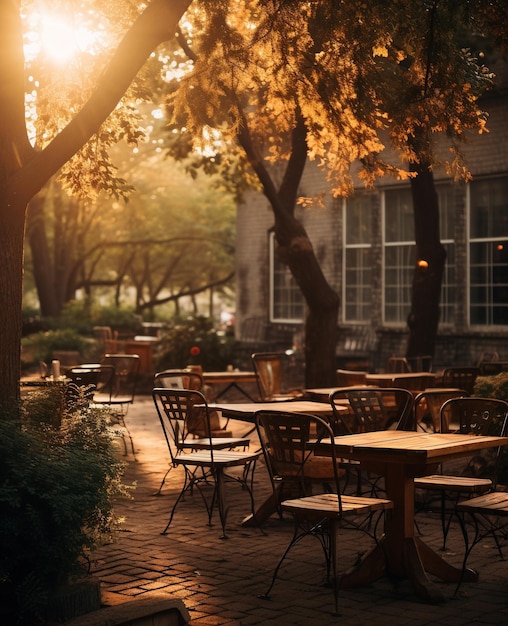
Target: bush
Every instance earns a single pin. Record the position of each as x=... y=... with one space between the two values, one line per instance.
x=41 y=345
x=492 y=386
x=195 y=341
x=56 y=502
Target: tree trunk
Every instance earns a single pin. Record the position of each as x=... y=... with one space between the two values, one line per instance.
x=423 y=318
x=322 y=302
x=41 y=258
x=296 y=251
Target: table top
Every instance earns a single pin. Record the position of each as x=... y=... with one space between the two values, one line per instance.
x=229 y=377
x=393 y=375
x=409 y=447
x=246 y=411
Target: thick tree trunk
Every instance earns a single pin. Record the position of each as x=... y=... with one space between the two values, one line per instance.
x=296 y=251
x=423 y=318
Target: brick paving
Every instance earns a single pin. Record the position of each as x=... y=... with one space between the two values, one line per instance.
x=220 y=580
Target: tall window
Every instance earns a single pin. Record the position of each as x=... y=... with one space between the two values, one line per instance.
x=400 y=250
x=357 y=259
x=286 y=301
x=488 y=252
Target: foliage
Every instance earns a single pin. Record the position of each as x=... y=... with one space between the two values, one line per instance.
x=495 y=387
x=492 y=386
x=83 y=315
x=42 y=344
x=56 y=500
x=183 y=336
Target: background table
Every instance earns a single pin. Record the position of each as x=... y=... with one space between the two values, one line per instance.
x=230 y=380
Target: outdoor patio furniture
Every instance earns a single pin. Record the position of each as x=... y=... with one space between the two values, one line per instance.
x=287 y=450
x=477 y=416
x=427 y=407
x=205 y=462
x=269 y=369
x=460 y=377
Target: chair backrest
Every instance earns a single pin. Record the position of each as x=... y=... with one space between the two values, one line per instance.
x=479 y=416
x=179 y=379
x=412 y=382
x=288 y=454
x=374 y=408
x=268 y=367
x=177 y=410
x=126 y=368
x=397 y=365
x=460 y=377
x=472 y=415
x=346 y=378
x=427 y=407
x=420 y=363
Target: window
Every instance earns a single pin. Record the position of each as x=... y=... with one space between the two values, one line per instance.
x=357 y=288
x=286 y=300
x=400 y=250
x=488 y=252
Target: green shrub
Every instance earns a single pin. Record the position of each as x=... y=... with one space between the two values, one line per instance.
x=492 y=386
x=195 y=341
x=41 y=345
x=57 y=489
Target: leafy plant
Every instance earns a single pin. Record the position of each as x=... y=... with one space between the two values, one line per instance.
x=57 y=490
x=195 y=341
x=492 y=386
x=41 y=345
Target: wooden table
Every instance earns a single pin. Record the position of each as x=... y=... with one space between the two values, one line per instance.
x=400 y=456
x=388 y=380
x=230 y=380
x=246 y=413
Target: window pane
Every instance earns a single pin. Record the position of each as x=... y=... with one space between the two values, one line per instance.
x=287 y=302
x=488 y=278
x=399 y=217
x=489 y=208
x=358 y=218
x=357 y=287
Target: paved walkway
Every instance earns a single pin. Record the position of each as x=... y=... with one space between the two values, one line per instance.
x=220 y=580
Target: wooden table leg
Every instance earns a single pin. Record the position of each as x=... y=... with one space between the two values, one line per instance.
x=399 y=552
x=266 y=510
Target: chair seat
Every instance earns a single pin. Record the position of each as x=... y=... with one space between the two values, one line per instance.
x=493 y=503
x=223 y=458
x=217 y=443
x=453 y=483
x=327 y=504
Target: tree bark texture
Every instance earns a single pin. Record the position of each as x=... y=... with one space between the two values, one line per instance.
x=423 y=318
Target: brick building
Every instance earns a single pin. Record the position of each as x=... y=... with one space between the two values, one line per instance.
x=365 y=245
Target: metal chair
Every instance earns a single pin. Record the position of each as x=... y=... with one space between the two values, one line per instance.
x=287 y=450
x=427 y=407
x=120 y=391
x=460 y=377
x=488 y=514
x=202 y=461
x=269 y=367
x=371 y=409
x=477 y=416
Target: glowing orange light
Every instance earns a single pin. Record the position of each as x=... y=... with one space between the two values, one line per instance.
x=500 y=246
x=422 y=263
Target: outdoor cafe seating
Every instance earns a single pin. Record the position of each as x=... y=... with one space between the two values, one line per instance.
x=472 y=415
x=269 y=368
x=206 y=463
x=287 y=450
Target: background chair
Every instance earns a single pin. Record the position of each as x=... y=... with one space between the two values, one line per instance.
x=286 y=449
x=348 y=378
x=460 y=378
x=427 y=407
x=269 y=368
x=186 y=379
x=397 y=365
x=202 y=461
x=119 y=393
x=371 y=409
x=476 y=416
